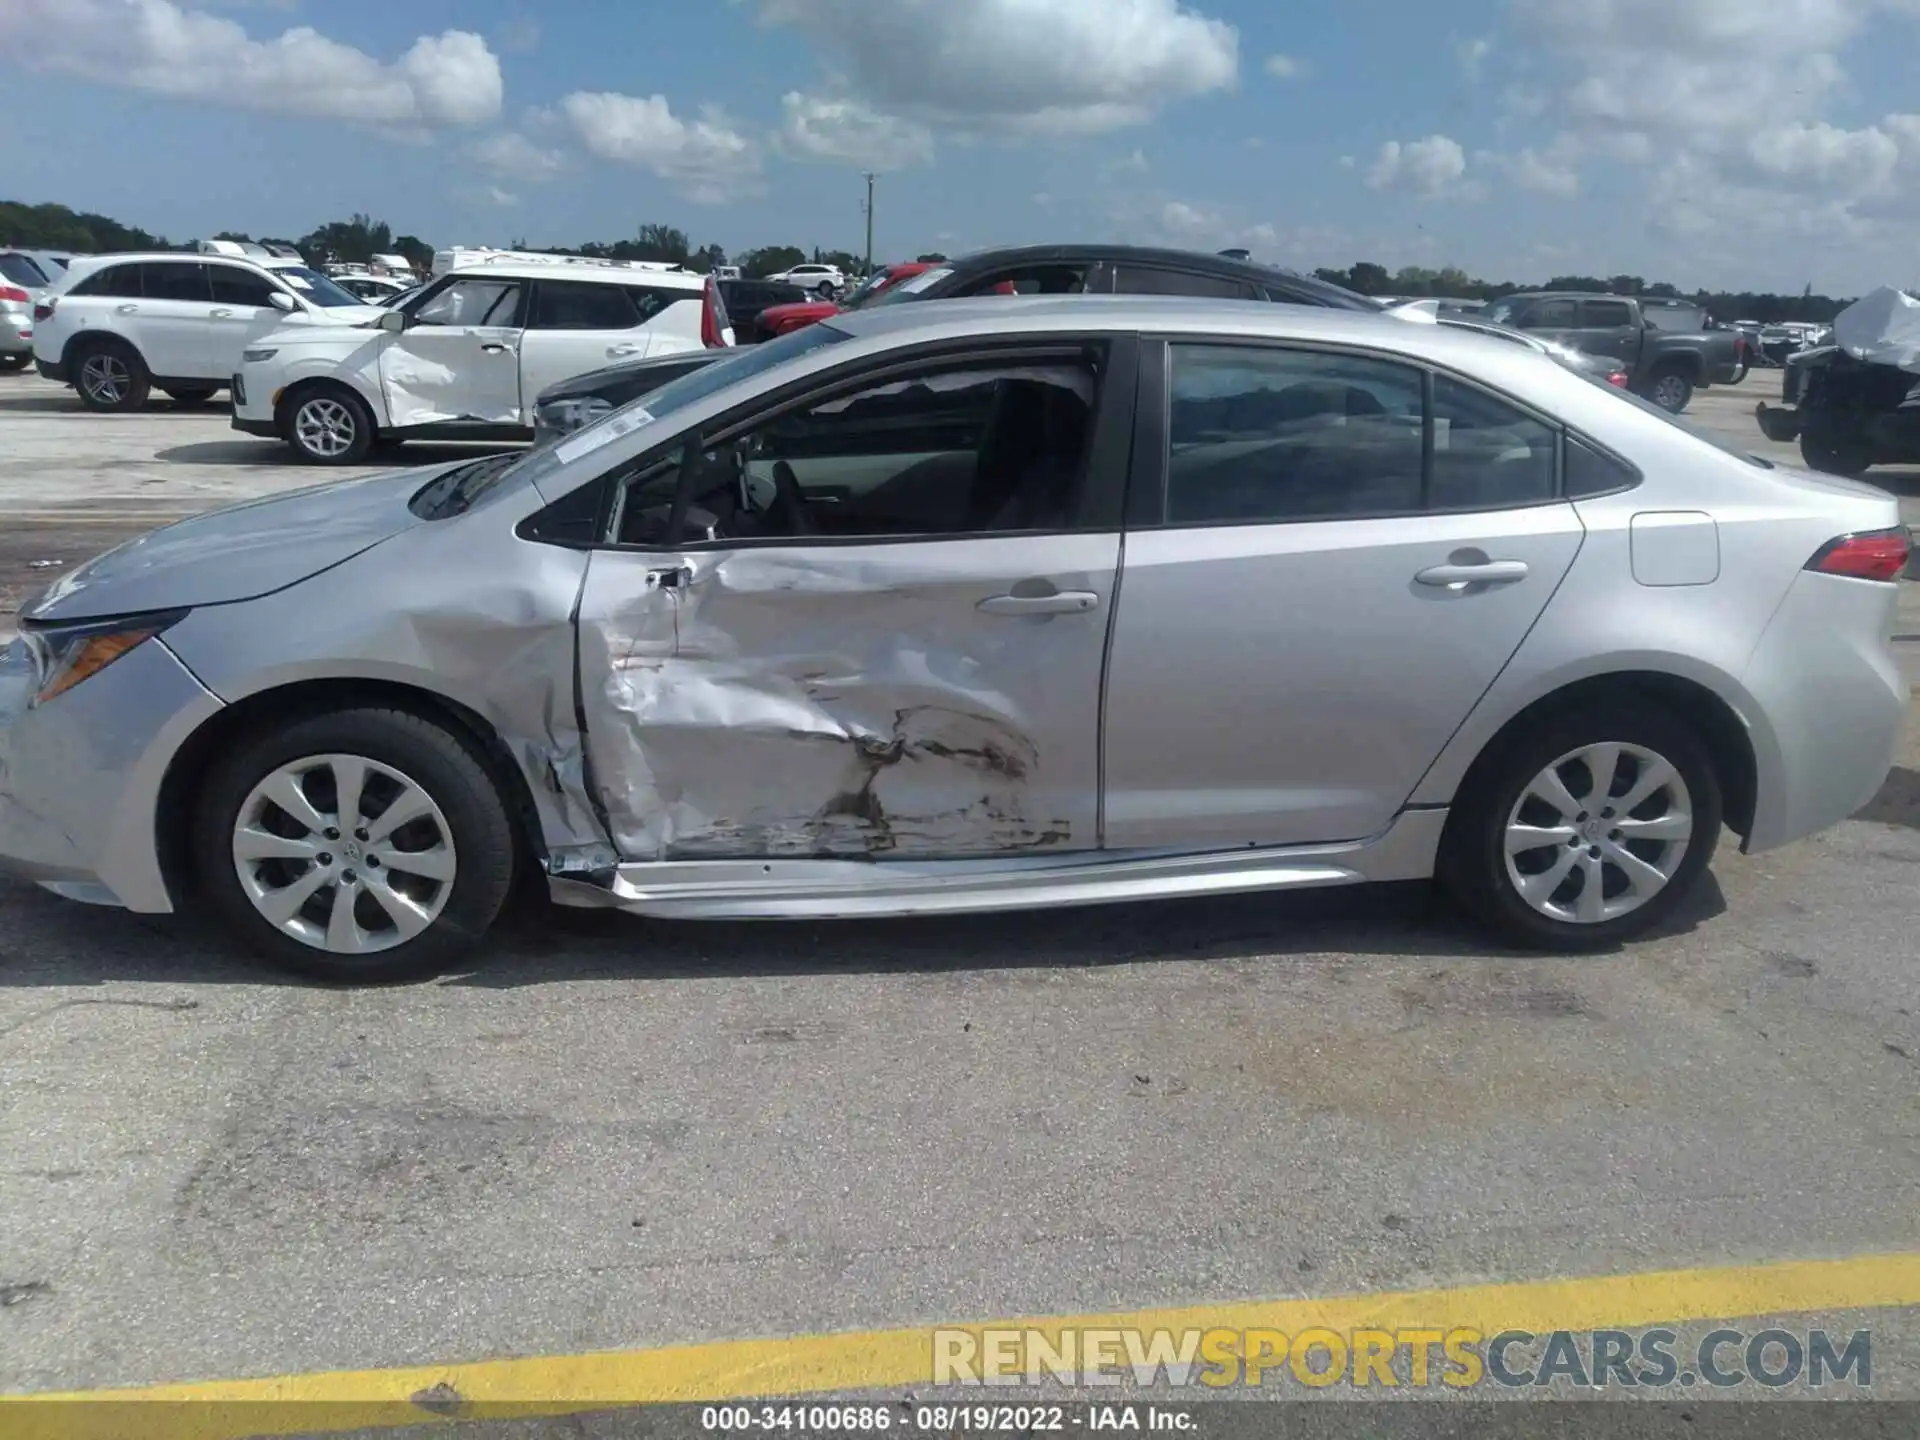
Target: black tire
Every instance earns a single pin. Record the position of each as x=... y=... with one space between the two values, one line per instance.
x=347 y=424
x=825 y=290
x=14 y=362
x=1670 y=390
x=187 y=399
x=1473 y=860
x=1826 y=450
x=109 y=376
x=440 y=764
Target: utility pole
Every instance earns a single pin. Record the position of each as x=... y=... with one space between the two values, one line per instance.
x=869 y=209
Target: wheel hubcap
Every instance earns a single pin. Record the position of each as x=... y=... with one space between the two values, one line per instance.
x=1598 y=833
x=325 y=428
x=106 y=378
x=344 y=854
x=1669 y=392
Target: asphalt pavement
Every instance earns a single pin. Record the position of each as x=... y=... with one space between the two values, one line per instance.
x=617 y=1134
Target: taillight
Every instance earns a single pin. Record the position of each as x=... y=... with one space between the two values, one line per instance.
x=1872 y=555
x=43 y=312
x=15 y=294
x=1619 y=378
x=715 y=330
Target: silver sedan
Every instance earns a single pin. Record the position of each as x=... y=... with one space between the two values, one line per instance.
x=984 y=605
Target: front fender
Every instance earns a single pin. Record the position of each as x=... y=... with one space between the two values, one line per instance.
x=359 y=372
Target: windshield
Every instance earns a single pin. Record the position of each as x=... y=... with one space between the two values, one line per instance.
x=868 y=289
x=458 y=489
x=316 y=288
x=913 y=289
x=1501 y=312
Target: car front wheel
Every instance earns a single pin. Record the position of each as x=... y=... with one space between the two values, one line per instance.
x=1586 y=831
x=1672 y=392
x=328 y=425
x=360 y=846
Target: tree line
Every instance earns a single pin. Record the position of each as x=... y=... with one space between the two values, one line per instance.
x=359 y=238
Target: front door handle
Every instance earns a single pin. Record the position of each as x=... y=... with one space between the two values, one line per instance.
x=1486 y=572
x=614 y=351
x=223 y=314
x=495 y=348
x=1059 y=602
x=126 y=309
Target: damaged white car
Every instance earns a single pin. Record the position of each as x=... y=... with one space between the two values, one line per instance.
x=983 y=605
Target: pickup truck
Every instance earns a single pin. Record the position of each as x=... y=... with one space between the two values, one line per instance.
x=1667 y=350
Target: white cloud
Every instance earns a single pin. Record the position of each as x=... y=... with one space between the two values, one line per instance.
x=1426 y=167
x=1285 y=67
x=1187 y=226
x=1549 y=170
x=162 y=48
x=1471 y=56
x=503 y=198
x=850 y=132
x=1135 y=163
x=1061 y=66
x=512 y=154
x=709 y=158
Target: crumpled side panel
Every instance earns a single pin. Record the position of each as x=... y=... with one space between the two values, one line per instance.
x=845 y=702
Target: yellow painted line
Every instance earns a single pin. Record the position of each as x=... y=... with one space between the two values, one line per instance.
x=892 y=1359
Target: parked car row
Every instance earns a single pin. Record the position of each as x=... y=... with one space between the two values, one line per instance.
x=991 y=603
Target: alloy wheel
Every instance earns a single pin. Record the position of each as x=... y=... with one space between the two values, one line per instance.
x=325 y=427
x=344 y=854
x=106 y=377
x=1598 y=833
x=1670 y=392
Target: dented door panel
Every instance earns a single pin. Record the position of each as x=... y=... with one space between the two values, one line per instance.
x=847 y=700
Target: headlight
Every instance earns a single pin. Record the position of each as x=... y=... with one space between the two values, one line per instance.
x=64 y=655
x=573 y=413
x=252 y=355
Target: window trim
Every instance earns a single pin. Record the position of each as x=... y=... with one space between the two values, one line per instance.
x=1107 y=468
x=1147 y=492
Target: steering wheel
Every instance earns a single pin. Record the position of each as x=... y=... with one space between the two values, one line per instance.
x=790 y=502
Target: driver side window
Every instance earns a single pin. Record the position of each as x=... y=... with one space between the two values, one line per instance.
x=959 y=450
x=474 y=300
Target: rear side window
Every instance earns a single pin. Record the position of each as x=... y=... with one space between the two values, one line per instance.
x=1486 y=454
x=175 y=280
x=1031 y=280
x=1606 y=314
x=649 y=302
x=234 y=286
x=1262 y=436
x=1549 y=315
x=1144 y=280
x=572 y=305
x=21 y=271
x=1592 y=472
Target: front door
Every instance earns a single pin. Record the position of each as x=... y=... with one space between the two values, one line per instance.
x=878 y=630
x=1609 y=329
x=458 y=360
x=1317 y=610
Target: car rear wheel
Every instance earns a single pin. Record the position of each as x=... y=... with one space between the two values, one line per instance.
x=1831 y=453
x=1586 y=831
x=328 y=425
x=110 y=377
x=1671 y=391
x=361 y=846
x=192 y=396
x=825 y=290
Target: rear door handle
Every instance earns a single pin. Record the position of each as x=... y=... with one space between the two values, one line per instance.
x=223 y=314
x=616 y=350
x=494 y=348
x=126 y=309
x=1060 y=602
x=1488 y=572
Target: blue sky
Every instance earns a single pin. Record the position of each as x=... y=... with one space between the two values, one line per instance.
x=1766 y=143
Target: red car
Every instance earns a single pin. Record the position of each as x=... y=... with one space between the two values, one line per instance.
x=779 y=319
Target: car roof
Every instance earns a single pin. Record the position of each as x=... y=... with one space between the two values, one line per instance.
x=591 y=274
x=1201 y=261
x=1169 y=314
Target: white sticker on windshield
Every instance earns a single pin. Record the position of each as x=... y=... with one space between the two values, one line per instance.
x=299 y=282
x=605 y=433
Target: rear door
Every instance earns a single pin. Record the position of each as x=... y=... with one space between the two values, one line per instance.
x=1554 y=319
x=172 y=323
x=458 y=360
x=1607 y=328
x=1309 y=608
x=879 y=630
x=575 y=326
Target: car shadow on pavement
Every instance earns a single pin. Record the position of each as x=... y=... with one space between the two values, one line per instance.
x=1898 y=802
x=51 y=942
x=272 y=452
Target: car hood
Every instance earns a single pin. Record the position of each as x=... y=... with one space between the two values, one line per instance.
x=342 y=320
x=238 y=552
x=610 y=377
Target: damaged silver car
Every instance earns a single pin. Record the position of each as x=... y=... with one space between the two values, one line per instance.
x=976 y=606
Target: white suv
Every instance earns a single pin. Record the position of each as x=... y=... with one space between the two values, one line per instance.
x=467 y=357
x=119 y=326
x=826 y=281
